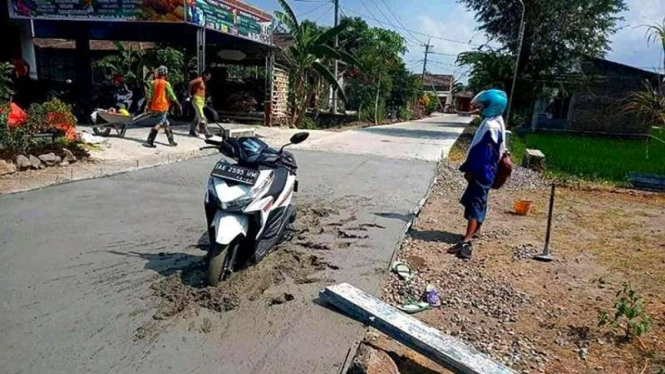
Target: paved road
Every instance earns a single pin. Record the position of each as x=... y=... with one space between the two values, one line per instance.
x=76 y=262
x=428 y=139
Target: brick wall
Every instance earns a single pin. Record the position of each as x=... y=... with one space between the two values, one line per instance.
x=598 y=107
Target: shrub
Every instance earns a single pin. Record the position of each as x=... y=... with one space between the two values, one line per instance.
x=405 y=114
x=6 y=91
x=628 y=314
x=307 y=123
x=52 y=116
x=13 y=139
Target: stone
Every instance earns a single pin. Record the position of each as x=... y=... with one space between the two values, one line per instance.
x=50 y=159
x=369 y=360
x=64 y=163
x=6 y=167
x=22 y=162
x=68 y=156
x=35 y=162
x=534 y=159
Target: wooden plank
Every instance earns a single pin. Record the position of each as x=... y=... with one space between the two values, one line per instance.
x=445 y=350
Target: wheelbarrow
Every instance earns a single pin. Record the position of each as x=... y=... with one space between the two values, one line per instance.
x=106 y=121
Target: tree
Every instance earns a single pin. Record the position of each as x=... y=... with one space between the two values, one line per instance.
x=489 y=69
x=558 y=34
x=648 y=104
x=306 y=58
x=130 y=63
x=381 y=68
x=655 y=34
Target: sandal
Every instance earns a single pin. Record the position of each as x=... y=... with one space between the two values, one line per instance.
x=455 y=249
x=403 y=270
x=466 y=251
x=414 y=308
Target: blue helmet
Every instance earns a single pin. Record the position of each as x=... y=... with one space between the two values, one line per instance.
x=494 y=102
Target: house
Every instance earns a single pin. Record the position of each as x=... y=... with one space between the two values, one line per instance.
x=462 y=101
x=439 y=85
x=595 y=107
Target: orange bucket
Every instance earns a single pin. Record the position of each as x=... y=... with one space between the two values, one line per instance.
x=522 y=207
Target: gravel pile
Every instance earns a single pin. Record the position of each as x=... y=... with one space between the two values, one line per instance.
x=464 y=291
x=525 y=179
x=525 y=251
x=450 y=180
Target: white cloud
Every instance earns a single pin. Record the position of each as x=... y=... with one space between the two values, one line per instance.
x=629 y=44
x=455 y=23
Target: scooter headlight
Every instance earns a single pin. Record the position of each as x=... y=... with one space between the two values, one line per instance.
x=238 y=204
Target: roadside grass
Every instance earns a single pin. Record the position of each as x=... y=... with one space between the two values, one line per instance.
x=594 y=159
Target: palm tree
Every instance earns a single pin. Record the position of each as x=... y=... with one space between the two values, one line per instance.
x=648 y=104
x=306 y=57
x=655 y=34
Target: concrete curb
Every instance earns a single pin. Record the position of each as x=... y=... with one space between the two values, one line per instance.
x=165 y=161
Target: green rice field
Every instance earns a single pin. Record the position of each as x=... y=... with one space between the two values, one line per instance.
x=597 y=159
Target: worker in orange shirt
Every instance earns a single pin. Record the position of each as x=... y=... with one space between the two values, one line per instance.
x=159 y=96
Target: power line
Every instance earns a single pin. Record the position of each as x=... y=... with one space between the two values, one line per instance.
x=443 y=63
x=399 y=20
x=323 y=14
x=413 y=31
x=386 y=18
x=445 y=54
x=315 y=8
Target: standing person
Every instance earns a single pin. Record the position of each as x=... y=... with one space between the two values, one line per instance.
x=481 y=165
x=197 y=90
x=158 y=97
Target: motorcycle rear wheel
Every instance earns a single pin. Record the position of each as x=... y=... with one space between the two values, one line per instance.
x=217 y=259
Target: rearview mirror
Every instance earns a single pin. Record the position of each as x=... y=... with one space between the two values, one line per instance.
x=299 y=137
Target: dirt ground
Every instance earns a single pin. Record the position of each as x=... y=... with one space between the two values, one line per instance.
x=534 y=316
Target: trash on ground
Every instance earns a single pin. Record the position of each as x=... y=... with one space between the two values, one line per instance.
x=432 y=295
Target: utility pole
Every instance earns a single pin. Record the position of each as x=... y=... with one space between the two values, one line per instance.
x=334 y=91
x=517 y=63
x=427 y=47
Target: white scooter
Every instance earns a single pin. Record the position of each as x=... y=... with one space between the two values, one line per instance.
x=248 y=203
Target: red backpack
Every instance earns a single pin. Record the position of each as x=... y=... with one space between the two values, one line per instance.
x=503 y=171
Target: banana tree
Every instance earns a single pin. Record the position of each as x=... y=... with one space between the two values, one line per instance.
x=307 y=56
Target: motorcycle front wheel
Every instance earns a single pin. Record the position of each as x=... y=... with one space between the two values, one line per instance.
x=218 y=257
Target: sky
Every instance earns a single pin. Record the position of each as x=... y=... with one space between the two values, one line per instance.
x=452 y=29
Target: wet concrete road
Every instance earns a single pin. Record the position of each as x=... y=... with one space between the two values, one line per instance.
x=77 y=260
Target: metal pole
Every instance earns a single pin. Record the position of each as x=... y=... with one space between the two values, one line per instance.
x=201 y=49
x=334 y=91
x=517 y=63
x=546 y=256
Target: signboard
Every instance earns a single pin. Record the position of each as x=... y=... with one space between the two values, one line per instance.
x=232 y=18
x=99 y=10
x=229 y=16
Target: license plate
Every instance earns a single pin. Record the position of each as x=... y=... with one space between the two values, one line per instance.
x=235 y=173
